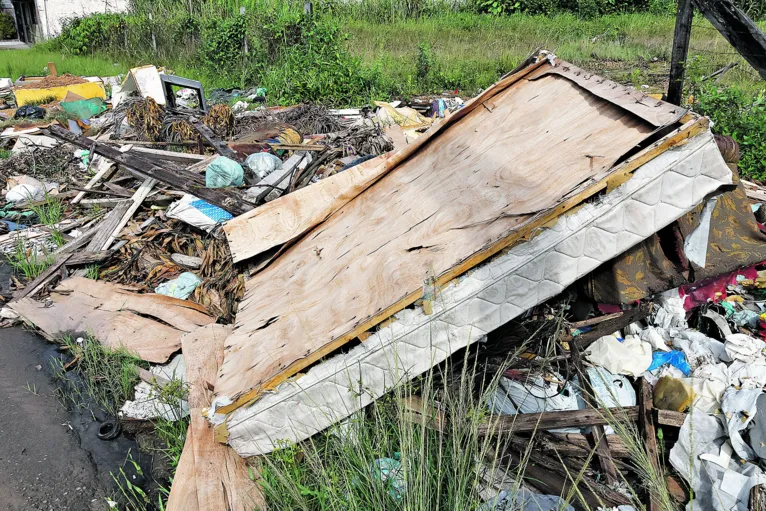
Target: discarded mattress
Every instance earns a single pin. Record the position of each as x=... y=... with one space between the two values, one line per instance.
x=485 y=298
x=148 y=325
x=516 y=159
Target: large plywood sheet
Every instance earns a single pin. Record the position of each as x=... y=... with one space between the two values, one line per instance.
x=486 y=178
x=148 y=325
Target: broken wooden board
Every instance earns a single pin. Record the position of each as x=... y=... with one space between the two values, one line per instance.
x=209 y=474
x=177 y=177
x=284 y=219
x=290 y=216
x=482 y=181
x=149 y=325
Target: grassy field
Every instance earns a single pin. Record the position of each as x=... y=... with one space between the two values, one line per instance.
x=471 y=51
x=630 y=48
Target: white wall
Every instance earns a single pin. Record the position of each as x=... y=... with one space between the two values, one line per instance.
x=53 y=12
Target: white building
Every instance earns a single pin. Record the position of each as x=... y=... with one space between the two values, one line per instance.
x=40 y=19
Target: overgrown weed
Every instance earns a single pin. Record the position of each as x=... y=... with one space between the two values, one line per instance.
x=108 y=376
x=28 y=262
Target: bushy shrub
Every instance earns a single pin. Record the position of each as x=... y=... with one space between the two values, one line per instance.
x=7 y=27
x=82 y=35
x=740 y=116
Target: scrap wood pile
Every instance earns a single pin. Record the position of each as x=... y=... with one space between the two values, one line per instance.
x=603 y=236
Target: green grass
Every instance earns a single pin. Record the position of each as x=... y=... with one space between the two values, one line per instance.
x=474 y=50
x=50 y=211
x=33 y=62
x=28 y=261
x=108 y=376
x=470 y=51
x=92 y=271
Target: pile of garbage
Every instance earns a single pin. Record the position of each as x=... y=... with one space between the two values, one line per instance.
x=267 y=256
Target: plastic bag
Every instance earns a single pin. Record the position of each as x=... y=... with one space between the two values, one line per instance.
x=631 y=357
x=263 y=164
x=180 y=287
x=197 y=212
x=24 y=192
x=84 y=108
x=30 y=112
x=223 y=172
x=675 y=358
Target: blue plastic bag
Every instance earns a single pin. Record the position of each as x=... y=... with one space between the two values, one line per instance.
x=675 y=358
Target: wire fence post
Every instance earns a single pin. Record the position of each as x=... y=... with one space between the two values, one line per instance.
x=681 y=38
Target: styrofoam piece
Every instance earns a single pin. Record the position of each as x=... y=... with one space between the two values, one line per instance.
x=145 y=81
x=485 y=298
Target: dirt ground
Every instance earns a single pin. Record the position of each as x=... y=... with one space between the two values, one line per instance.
x=41 y=463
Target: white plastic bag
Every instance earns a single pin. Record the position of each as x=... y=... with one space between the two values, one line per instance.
x=631 y=357
x=180 y=287
x=24 y=192
x=197 y=212
x=262 y=164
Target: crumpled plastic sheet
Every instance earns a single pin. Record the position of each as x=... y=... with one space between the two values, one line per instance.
x=536 y=395
x=700 y=439
x=739 y=408
x=699 y=348
x=676 y=358
x=525 y=500
x=631 y=357
x=657 y=337
x=180 y=287
x=696 y=243
x=744 y=348
x=146 y=405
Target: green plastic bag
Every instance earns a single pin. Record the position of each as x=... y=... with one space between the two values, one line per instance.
x=223 y=172
x=84 y=108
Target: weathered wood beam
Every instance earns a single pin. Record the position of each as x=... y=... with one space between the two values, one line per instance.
x=738 y=29
x=681 y=38
x=229 y=199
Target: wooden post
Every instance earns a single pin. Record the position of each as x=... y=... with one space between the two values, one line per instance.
x=308 y=8
x=649 y=432
x=738 y=29
x=597 y=431
x=52 y=69
x=681 y=38
x=154 y=38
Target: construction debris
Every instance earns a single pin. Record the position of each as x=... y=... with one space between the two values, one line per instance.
x=590 y=249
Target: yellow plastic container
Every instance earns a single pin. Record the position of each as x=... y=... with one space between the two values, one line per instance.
x=86 y=90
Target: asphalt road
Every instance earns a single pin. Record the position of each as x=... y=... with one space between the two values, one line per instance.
x=42 y=466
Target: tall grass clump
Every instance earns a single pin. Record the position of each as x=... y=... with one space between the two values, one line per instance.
x=107 y=376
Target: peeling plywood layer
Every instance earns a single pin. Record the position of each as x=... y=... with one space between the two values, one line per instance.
x=487 y=297
x=149 y=325
x=290 y=216
x=487 y=178
x=210 y=476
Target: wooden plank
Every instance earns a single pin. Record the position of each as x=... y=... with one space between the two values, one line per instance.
x=420 y=222
x=226 y=198
x=738 y=29
x=574 y=444
x=649 y=432
x=597 y=431
x=86 y=257
x=107 y=226
x=220 y=146
x=31 y=288
x=186 y=158
x=611 y=325
x=138 y=198
x=681 y=38
x=183 y=492
x=654 y=111
x=149 y=325
x=420 y=413
x=221 y=478
x=670 y=418
x=105 y=169
x=310 y=206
